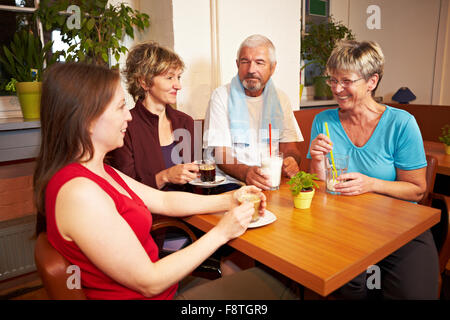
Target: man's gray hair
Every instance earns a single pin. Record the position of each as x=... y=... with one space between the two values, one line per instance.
x=258 y=40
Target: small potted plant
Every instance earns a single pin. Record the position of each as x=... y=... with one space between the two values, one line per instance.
x=445 y=138
x=24 y=60
x=303 y=188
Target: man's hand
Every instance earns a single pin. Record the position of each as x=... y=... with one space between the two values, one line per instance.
x=256 y=177
x=290 y=167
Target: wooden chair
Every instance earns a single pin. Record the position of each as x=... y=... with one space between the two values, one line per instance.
x=431 y=178
x=210 y=268
x=166 y=222
x=440 y=231
x=52 y=267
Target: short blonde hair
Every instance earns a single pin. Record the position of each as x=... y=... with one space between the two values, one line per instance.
x=364 y=58
x=146 y=61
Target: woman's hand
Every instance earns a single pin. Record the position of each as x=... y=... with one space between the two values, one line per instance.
x=250 y=189
x=234 y=223
x=320 y=146
x=181 y=173
x=354 y=183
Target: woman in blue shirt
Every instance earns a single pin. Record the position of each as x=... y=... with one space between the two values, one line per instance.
x=386 y=156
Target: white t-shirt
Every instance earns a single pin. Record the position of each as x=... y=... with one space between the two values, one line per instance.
x=217 y=128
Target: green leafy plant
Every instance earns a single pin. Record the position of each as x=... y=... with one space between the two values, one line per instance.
x=102 y=27
x=321 y=39
x=445 y=138
x=302 y=181
x=24 y=58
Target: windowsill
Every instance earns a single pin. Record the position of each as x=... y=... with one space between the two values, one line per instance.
x=18 y=123
x=307 y=103
x=10 y=107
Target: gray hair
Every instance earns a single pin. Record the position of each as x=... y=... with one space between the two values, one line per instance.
x=364 y=58
x=258 y=40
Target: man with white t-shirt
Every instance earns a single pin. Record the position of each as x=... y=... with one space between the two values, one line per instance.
x=240 y=114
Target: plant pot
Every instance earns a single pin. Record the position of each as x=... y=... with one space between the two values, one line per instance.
x=29 y=94
x=303 y=199
x=447 y=148
x=321 y=90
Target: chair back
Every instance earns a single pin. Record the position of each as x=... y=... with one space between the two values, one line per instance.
x=430 y=178
x=440 y=231
x=52 y=267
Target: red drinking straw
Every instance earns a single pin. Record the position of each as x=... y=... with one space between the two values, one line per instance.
x=270 y=139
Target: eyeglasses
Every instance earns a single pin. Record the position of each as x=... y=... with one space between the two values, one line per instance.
x=344 y=83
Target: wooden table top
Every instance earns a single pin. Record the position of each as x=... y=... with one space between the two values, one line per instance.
x=437 y=149
x=329 y=244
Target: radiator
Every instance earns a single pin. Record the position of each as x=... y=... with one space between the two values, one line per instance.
x=17 y=247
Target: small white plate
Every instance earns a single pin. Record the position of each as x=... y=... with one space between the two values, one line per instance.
x=199 y=183
x=268 y=218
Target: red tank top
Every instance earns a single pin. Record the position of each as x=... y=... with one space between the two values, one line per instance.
x=95 y=283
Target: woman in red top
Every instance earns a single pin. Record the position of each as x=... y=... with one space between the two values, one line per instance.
x=99 y=218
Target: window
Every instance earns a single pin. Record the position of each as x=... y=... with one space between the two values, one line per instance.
x=14 y=16
x=315 y=11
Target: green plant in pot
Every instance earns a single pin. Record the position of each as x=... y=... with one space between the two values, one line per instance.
x=100 y=31
x=445 y=138
x=302 y=187
x=24 y=60
x=316 y=48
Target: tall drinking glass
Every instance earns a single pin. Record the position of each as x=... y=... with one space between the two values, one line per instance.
x=340 y=167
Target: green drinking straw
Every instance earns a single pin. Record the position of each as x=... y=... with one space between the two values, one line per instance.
x=331 y=153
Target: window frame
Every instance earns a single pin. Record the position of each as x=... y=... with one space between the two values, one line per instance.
x=9 y=105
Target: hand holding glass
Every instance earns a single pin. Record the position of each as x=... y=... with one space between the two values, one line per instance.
x=271 y=166
x=341 y=166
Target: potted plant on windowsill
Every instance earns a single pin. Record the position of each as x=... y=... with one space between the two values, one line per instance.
x=302 y=187
x=445 y=138
x=24 y=61
x=316 y=48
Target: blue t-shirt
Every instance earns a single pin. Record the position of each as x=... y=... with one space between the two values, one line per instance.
x=395 y=143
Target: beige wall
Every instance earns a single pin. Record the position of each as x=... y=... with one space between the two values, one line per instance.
x=161 y=27
x=413 y=40
x=192 y=41
x=444 y=94
x=280 y=23
x=408 y=37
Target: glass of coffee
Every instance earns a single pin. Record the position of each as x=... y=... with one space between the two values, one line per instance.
x=255 y=199
x=207 y=170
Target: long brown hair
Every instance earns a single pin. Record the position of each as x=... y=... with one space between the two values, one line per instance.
x=73 y=96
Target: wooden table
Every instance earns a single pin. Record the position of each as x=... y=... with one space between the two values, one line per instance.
x=437 y=149
x=336 y=239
